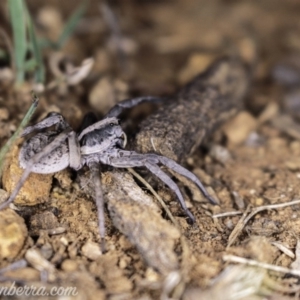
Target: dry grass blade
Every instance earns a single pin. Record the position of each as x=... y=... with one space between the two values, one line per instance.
x=296 y=264
x=178 y=286
x=71 y=25
x=10 y=142
x=227 y=214
x=160 y=200
x=286 y=124
x=284 y=249
x=72 y=76
x=254 y=263
x=234 y=283
x=247 y=216
x=75 y=75
x=239 y=227
x=131 y=211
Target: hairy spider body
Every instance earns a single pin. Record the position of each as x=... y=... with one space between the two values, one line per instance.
x=54 y=146
x=55 y=161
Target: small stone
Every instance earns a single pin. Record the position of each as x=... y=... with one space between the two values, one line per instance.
x=254 y=140
x=7 y=76
x=13 y=234
x=64 y=178
x=295 y=147
x=196 y=64
x=151 y=275
x=239 y=200
x=259 y=201
x=35 y=258
x=51 y=19
x=125 y=261
x=44 y=221
x=293 y=165
x=238 y=129
x=106 y=93
x=4 y=114
x=47 y=251
x=276 y=143
x=113 y=277
x=91 y=250
x=36 y=188
x=220 y=154
x=124 y=243
x=69 y=265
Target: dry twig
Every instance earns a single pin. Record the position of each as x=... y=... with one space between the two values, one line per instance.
x=247 y=215
x=254 y=263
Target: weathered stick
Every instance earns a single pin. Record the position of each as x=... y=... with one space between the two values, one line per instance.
x=181 y=124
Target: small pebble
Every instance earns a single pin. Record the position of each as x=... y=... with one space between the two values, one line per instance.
x=91 y=250
x=238 y=129
x=13 y=233
x=220 y=154
x=106 y=93
x=47 y=250
x=4 y=114
x=196 y=64
x=69 y=265
x=36 y=188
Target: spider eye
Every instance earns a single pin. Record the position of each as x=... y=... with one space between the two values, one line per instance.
x=111 y=124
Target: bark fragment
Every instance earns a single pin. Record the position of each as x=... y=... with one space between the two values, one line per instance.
x=180 y=125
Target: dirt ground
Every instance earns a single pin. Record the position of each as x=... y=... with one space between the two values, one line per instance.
x=251 y=163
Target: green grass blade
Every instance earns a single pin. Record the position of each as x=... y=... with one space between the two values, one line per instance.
x=36 y=50
x=30 y=65
x=17 y=17
x=10 y=142
x=71 y=24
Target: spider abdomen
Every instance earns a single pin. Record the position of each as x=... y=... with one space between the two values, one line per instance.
x=56 y=161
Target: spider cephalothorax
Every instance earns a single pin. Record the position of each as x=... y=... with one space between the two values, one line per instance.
x=53 y=146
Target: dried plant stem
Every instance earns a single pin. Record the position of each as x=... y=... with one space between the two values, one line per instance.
x=160 y=200
x=254 y=263
x=247 y=215
x=178 y=287
x=227 y=214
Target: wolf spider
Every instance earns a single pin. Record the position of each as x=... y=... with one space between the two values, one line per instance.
x=54 y=146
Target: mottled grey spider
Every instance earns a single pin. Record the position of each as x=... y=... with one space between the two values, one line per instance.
x=54 y=146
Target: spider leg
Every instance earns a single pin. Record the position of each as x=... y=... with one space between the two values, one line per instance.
x=128 y=103
x=131 y=156
x=74 y=151
x=35 y=159
x=52 y=119
x=95 y=176
x=150 y=161
x=157 y=171
x=171 y=164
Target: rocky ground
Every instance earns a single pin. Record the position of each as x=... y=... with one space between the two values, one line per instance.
x=251 y=163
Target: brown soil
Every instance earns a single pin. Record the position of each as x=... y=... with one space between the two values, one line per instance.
x=252 y=161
